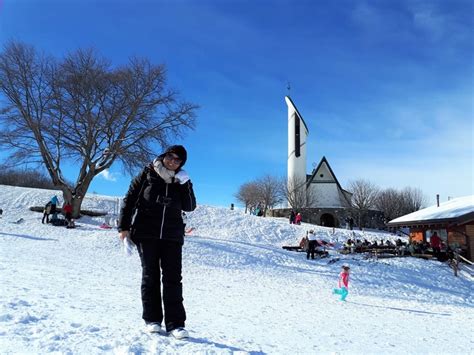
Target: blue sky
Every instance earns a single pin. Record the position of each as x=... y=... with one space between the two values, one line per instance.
x=385 y=87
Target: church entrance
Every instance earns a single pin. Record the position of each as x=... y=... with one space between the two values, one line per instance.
x=327 y=220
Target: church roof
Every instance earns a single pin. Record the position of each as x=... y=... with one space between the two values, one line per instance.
x=315 y=172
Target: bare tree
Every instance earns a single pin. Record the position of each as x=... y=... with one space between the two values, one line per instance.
x=394 y=203
x=269 y=191
x=389 y=201
x=298 y=193
x=413 y=200
x=364 y=195
x=248 y=194
x=82 y=110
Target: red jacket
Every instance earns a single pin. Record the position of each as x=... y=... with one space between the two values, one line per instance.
x=435 y=241
x=343 y=280
x=67 y=208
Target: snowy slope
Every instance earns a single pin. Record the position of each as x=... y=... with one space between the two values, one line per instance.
x=74 y=291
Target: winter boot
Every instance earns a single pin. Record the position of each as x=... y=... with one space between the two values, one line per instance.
x=179 y=333
x=153 y=327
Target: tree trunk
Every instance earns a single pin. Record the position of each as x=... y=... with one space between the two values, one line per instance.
x=75 y=196
x=76 y=204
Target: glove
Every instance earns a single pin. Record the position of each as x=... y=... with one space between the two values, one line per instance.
x=182 y=176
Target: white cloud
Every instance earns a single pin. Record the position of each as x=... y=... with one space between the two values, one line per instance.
x=107 y=175
x=426 y=142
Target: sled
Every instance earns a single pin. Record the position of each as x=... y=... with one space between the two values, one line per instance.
x=293 y=248
x=58 y=222
x=322 y=253
x=323 y=243
x=18 y=221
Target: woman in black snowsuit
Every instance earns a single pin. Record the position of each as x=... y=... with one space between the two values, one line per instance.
x=151 y=218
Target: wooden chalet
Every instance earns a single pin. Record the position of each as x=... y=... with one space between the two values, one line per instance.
x=453 y=220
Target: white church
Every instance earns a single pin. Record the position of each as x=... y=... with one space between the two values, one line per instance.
x=325 y=201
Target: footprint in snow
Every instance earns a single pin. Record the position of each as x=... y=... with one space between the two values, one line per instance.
x=92 y=329
x=19 y=303
x=28 y=318
x=5 y=317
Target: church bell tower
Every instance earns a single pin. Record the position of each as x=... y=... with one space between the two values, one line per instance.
x=297 y=135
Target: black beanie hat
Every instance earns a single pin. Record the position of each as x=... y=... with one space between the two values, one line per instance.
x=180 y=151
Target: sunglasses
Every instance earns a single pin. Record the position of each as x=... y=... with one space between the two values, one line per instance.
x=173 y=159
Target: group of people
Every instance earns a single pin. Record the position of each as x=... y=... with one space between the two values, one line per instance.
x=357 y=245
x=257 y=210
x=433 y=247
x=295 y=218
x=51 y=209
x=423 y=247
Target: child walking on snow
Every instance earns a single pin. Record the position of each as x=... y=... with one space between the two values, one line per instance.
x=343 y=283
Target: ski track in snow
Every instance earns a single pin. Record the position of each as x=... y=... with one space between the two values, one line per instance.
x=73 y=291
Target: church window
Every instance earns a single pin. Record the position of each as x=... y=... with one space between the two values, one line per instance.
x=297 y=136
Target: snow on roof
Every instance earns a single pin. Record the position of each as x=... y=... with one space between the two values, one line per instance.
x=451 y=209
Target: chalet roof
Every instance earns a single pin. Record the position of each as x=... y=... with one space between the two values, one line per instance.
x=315 y=171
x=289 y=101
x=456 y=211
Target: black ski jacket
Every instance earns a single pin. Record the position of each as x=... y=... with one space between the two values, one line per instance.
x=152 y=208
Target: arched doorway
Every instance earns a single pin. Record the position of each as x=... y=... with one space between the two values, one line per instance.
x=327 y=220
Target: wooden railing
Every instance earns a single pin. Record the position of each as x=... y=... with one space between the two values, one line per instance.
x=460 y=263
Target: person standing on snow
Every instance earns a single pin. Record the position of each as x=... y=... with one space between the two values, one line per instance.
x=343 y=283
x=67 y=210
x=54 y=202
x=46 y=212
x=298 y=218
x=351 y=223
x=312 y=242
x=151 y=218
x=292 y=217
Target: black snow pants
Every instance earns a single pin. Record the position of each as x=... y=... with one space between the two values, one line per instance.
x=311 y=249
x=162 y=258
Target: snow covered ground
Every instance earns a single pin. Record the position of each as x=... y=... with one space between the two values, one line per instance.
x=74 y=291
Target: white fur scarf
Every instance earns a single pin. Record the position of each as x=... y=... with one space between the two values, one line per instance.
x=160 y=169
